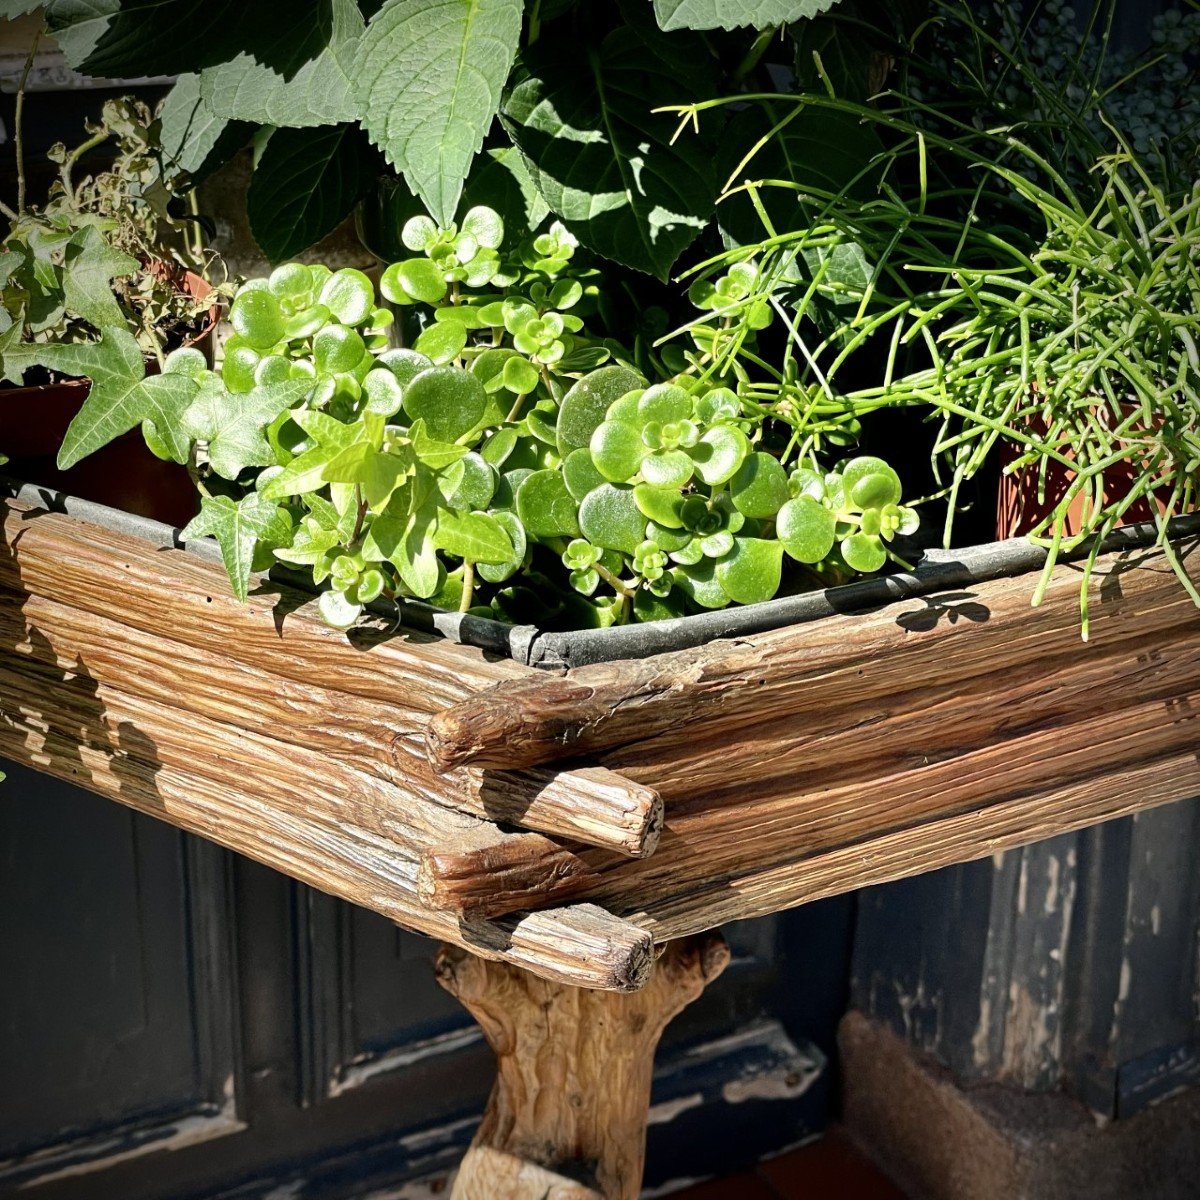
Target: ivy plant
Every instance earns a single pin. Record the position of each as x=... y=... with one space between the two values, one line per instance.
x=488 y=450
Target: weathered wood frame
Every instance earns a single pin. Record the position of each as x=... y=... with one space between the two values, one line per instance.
x=565 y=823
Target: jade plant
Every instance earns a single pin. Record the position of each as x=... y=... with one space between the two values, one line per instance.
x=507 y=462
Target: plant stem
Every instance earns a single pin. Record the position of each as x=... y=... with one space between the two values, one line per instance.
x=618 y=585
x=19 y=121
x=754 y=55
x=361 y=515
x=468 y=592
x=68 y=164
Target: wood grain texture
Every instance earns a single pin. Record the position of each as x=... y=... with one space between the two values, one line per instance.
x=793 y=764
x=821 y=671
x=869 y=751
x=567 y=1116
x=271 y=666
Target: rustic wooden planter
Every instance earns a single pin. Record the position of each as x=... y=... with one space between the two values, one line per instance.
x=553 y=828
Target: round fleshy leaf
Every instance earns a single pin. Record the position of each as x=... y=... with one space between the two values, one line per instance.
x=187 y=360
x=667 y=468
x=442 y=341
x=870 y=483
x=580 y=474
x=719 y=453
x=610 y=517
x=348 y=294
x=337 y=610
x=546 y=508
x=450 y=401
x=468 y=484
x=241 y=360
x=659 y=504
x=720 y=404
x=520 y=375
x=419 y=233
x=499 y=446
x=863 y=552
x=337 y=349
x=804 y=481
x=272 y=368
x=910 y=522
x=257 y=318
x=807 y=529
x=384 y=394
x=499 y=572
x=760 y=486
x=484 y=226
x=587 y=402
x=617 y=450
x=420 y=278
x=750 y=573
x=700 y=584
x=404 y=363
x=293 y=281
x=306 y=322
x=664 y=402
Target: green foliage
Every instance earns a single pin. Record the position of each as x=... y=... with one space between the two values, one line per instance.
x=575 y=87
x=476 y=476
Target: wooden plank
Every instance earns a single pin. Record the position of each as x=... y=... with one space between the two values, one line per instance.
x=804 y=782
x=285 y=809
x=821 y=672
x=170 y=630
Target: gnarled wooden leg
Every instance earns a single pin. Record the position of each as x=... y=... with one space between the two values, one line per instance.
x=567 y=1117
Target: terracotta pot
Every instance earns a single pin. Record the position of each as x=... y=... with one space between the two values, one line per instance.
x=124 y=474
x=1018 y=508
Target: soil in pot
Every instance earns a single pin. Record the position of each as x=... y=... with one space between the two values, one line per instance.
x=124 y=474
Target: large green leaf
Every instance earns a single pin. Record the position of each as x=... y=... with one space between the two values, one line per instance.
x=320 y=93
x=237 y=526
x=121 y=395
x=192 y=136
x=599 y=154
x=305 y=184
x=429 y=75
x=171 y=37
x=729 y=14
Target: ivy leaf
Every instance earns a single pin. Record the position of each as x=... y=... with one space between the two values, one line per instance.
x=429 y=79
x=599 y=154
x=378 y=473
x=406 y=543
x=306 y=472
x=473 y=536
x=304 y=185
x=730 y=14
x=192 y=136
x=320 y=93
x=237 y=527
x=234 y=423
x=90 y=265
x=121 y=395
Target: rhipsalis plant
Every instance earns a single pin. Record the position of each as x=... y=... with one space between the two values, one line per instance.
x=509 y=462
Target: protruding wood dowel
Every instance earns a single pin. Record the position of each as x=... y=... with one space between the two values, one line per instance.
x=489 y=873
x=542 y=718
x=592 y=805
x=567 y=1117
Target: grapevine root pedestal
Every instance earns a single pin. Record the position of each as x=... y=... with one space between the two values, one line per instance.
x=555 y=828
x=567 y=1117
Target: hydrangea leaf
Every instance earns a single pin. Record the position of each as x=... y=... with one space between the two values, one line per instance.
x=732 y=14
x=321 y=92
x=600 y=155
x=429 y=79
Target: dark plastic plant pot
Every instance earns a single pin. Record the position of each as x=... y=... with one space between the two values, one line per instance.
x=124 y=474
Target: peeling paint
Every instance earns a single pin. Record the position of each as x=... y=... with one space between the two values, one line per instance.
x=357 y=1073
x=668 y=1110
